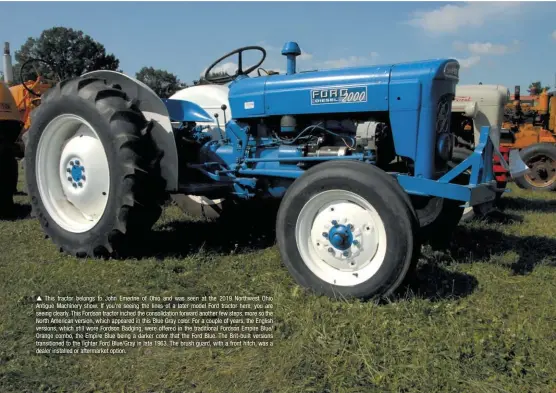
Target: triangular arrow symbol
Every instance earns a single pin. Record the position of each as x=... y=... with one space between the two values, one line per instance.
x=39 y=299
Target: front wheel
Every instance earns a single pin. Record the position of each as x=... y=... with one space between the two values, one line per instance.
x=346 y=229
x=541 y=158
x=92 y=168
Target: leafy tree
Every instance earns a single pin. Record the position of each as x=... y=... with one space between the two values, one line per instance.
x=163 y=83
x=536 y=89
x=70 y=51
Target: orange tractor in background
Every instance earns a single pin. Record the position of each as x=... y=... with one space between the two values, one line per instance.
x=534 y=134
x=27 y=96
x=16 y=104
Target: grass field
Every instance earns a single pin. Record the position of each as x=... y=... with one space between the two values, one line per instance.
x=480 y=317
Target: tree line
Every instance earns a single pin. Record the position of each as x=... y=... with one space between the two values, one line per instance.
x=68 y=53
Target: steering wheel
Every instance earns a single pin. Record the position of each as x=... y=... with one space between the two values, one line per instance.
x=240 y=71
x=36 y=65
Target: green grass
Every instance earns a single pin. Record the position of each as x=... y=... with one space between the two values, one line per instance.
x=473 y=321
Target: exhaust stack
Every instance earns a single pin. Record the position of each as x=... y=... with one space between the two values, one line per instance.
x=8 y=69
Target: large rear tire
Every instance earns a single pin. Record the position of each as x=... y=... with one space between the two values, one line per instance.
x=541 y=158
x=324 y=253
x=92 y=168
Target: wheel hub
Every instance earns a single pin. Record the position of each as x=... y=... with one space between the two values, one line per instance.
x=543 y=171
x=77 y=171
x=344 y=236
x=340 y=236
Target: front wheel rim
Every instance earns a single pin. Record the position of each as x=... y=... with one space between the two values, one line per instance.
x=341 y=238
x=72 y=173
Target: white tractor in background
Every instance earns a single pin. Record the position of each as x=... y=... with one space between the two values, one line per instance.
x=476 y=106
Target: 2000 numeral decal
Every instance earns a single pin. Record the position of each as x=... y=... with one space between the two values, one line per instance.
x=355 y=96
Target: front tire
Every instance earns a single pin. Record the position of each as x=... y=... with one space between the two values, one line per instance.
x=92 y=168
x=367 y=259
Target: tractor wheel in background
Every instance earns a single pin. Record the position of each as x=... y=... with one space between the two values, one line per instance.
x=339 y=234
x=8 y=180
x=541 y=158
x=92 y=168
x=438 y=218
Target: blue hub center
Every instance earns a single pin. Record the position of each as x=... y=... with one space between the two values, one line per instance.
x=76 y=173
x=341 y=237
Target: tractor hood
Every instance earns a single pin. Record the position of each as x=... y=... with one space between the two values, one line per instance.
x=356 y=89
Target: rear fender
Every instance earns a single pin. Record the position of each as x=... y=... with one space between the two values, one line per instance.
x=153 y=108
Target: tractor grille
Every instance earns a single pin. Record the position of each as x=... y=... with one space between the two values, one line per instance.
x=443 y=114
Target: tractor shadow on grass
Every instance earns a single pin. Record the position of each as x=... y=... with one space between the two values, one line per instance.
x=537 y=205
x=229 y=235
x=474 y=244
x=435 y=283
x=18 y=212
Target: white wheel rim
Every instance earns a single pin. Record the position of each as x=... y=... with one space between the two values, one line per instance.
x=360 y=256
x=72 y=172
x=201 y=200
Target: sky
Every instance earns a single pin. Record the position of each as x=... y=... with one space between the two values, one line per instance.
x=508 y=43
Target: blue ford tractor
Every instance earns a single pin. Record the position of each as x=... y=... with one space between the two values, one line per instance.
x=357 y=157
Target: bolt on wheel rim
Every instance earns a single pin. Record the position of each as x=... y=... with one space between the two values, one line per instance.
x=341 y=237
x=72 y=172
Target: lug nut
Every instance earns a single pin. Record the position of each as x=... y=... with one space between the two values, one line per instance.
x=330 y=249
x=324 y=234
x=71 y=163
x=346 y=253
x=83 y=168
x=77 y=162
x=351 y=227
x=334 y=222
x=83 y=178
x=355 y=242
x=80 y=184
x=69 y=178
x=75 y=185
x=68 y=170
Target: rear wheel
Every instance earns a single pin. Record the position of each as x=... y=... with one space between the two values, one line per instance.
x=541 y=158
x=346 y=229
x=92 y=168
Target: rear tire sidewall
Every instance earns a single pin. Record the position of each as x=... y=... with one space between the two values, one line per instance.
x=391 y=207
x=86 y=110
